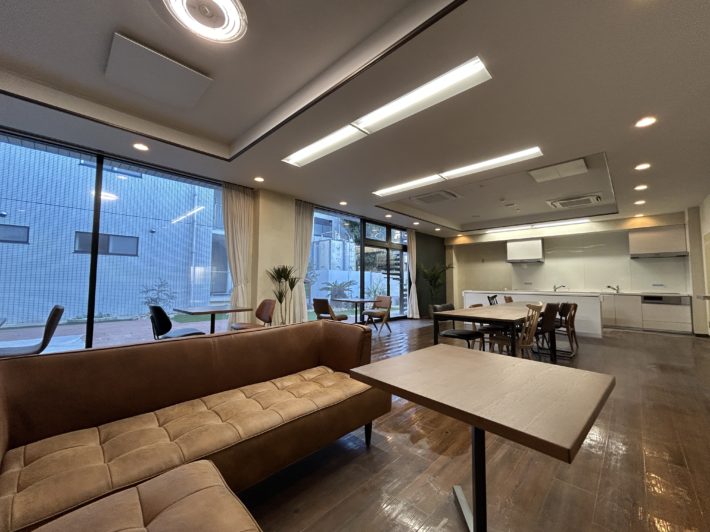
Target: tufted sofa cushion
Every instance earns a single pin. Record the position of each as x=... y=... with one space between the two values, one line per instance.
x=48 y=477
x=191 y=497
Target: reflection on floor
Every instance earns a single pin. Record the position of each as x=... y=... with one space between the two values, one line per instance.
x=644 y=466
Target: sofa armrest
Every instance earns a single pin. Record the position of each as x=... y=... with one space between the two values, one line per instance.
x=344 y=346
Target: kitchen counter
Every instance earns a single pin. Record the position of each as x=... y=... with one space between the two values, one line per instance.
x=579 y=292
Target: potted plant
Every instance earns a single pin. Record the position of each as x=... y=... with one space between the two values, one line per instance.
x=285 y=281
x=434 y=277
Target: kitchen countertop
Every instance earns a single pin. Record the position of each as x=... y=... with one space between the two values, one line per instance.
x=582 y=293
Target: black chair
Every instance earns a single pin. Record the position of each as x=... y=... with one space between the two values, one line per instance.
x=460 y=334
x=163 y=327
x=546 y=329
x=52 y=321
x=493 y=300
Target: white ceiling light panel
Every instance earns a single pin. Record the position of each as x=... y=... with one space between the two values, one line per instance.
x=482 y=166
x=453 y=82
x=458 y=80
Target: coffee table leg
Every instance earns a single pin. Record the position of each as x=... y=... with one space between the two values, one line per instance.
x=476 y=519
x=436 y=330
x=213 y=317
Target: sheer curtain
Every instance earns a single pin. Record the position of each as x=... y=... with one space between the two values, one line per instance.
x=238 y=209
x=302 y=251
x=413 y=306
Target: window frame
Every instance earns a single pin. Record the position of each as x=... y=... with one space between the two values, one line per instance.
x=105 y=250
x=27 y=232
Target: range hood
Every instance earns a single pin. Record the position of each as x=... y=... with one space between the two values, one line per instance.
x=525 y=250
x=656 y=242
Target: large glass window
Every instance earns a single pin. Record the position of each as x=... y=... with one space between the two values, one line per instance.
x=46 y=196
x=177 y=256
x=337 y=250
x=334 y=265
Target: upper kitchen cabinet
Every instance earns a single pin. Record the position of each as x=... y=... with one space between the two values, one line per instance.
x=525 y=250
x=666 y=241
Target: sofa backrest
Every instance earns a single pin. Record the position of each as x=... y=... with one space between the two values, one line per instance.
x=45 y=395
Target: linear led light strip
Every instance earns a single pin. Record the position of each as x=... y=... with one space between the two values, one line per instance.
x=482 y=166
x=538 y=226
x=471 y=73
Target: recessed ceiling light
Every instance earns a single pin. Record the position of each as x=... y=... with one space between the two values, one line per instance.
x=388 y=216
x=465 y=76
x=642 y=166
x=496 y=162
x=640 y=202
x=415 y=223
x=646 y=121
x=343 y=203
x=140 y=146
x=416 y=183
x=639 y=215
x=259 y=179
x=640 y=187
x=437 y=229
x=220 y=21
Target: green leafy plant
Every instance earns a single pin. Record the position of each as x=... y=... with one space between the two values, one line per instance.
x=158 y=294
x=434 y=276
x=338 y=289
x=285 y=281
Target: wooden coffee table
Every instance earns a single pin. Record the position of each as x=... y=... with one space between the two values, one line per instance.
x=541 y=406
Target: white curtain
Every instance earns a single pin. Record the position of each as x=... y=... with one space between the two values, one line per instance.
x=302 y=250
x=413 y=305
x=238 y=211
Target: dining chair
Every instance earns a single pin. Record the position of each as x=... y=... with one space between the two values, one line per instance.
x=493 y=300
x=546 y=327
x=508 y=299
x=468 y=335
x=264 y=312
x=55 y=315
x=163 y=326
x=324 y=311
x=380 y=311
x=526 y=340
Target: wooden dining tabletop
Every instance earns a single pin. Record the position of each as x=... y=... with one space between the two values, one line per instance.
x=541 y=406
x=201 y=311
x=506 y=312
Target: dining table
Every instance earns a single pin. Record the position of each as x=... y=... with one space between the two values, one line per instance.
x=506 y=315
x=212 y=311
x=544 y=407
x=357 y=302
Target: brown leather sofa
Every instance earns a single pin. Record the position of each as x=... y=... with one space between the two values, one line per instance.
x=77 y=426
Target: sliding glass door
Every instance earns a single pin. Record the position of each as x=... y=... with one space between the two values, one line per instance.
x=385 y=260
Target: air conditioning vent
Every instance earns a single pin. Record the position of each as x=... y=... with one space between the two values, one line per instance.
x=578 y=201
x=558 y=171
x=436 y=197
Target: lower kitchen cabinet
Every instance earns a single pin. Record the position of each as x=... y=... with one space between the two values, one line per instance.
x=628 y=311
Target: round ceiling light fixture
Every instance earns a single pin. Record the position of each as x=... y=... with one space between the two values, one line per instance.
x=221 y=21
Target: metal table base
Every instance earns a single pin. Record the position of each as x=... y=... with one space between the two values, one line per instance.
x=476 y=518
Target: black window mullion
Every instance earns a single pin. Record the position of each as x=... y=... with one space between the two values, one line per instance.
x=94 y=259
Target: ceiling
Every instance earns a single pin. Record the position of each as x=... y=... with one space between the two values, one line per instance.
x=569 y=77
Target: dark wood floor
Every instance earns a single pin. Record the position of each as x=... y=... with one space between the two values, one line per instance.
x=644 y=466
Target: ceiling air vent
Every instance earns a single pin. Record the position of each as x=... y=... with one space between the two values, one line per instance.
x=558 y=171
x=436 y=197
x=575 y=202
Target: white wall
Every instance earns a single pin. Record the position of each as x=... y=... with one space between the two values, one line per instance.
x=581 y=262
